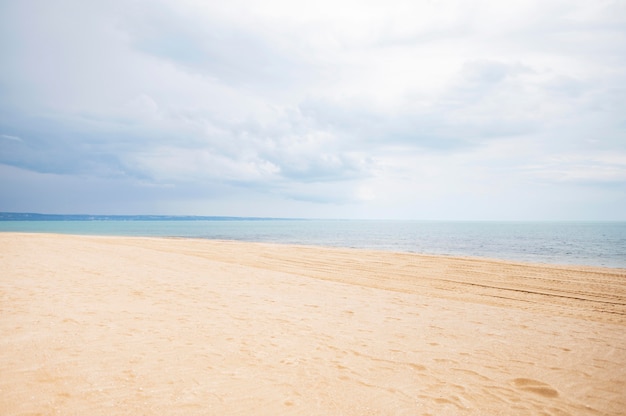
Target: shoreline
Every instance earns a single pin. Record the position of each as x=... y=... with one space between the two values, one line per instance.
x=471 y=279
x=579 y=266
x=598 y=244
x=356 y=250
x=152 y=325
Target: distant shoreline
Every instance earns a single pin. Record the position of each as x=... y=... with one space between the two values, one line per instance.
x=34 y=216
x=27 y=216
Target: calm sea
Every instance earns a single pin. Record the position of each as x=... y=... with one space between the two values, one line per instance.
x=581 y=243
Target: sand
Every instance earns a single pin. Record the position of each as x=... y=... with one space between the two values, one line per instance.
x=147 y=326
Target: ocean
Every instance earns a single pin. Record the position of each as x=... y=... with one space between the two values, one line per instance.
x=568 y=243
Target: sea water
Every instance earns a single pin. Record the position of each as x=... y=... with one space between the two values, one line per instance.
x=579 y=243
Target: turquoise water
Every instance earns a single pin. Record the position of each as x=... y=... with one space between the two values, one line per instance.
x=581 y=243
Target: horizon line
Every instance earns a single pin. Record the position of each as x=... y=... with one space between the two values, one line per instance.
x=24 y=216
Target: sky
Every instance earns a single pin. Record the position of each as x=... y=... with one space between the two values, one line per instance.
x=422 y=109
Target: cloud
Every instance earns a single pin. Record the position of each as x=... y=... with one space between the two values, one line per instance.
x=10 y=137
x=362 y=107
x=227 y=51
x=589 y=170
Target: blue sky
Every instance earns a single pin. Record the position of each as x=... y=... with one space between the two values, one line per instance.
x=345 y=109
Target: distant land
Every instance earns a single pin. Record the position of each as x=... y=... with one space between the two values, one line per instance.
x=29 y=216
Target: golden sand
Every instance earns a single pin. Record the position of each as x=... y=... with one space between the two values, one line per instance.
x=147 y=326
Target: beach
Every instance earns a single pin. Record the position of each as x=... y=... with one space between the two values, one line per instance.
x=163 y=326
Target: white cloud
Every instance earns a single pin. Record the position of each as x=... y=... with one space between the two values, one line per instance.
x=394 y=108
x=10 y=137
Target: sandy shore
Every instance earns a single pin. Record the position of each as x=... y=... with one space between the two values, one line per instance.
x=139 y=326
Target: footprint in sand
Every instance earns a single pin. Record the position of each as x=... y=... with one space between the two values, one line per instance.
x=534 y=386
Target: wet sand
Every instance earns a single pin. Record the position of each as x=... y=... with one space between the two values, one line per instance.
x=127 y=326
